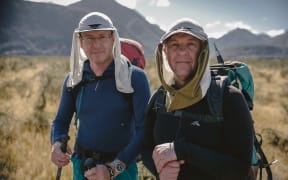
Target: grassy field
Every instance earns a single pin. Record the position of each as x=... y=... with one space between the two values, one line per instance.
x=30 y=90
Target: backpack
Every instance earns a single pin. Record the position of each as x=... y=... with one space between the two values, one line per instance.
x=134 y=51
x=223 y=74
x=238 y=74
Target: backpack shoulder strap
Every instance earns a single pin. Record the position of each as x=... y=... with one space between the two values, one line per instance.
x=129 y=96
x=76 y=89
x=76 y=118
x=263 y=162
x=160 y=99
x=215 y=95
x=154 y=102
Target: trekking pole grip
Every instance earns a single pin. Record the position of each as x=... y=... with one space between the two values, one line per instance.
x=64 y=140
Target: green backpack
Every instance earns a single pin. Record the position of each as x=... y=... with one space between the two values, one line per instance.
x=238 y=74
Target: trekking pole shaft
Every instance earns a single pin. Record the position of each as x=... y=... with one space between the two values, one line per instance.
x=218 y=55
x=58 y=175
x=63 y=147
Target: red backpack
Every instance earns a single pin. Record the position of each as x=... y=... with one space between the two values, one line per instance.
x=134 y=51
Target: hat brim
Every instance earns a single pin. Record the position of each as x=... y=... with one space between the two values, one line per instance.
x=78 y=30
x=168 y=35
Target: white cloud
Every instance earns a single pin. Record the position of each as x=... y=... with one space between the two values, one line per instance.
x=217 y=29
x=128 y=3
x=60 y=2
x=159 y=3
x=151 y=19
x=216 y=34
x=213 y=24
x=238 y=24
x=163 y=27
x=275 y=32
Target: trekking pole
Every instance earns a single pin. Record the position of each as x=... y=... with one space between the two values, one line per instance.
x=64 y=139
x=218 y=55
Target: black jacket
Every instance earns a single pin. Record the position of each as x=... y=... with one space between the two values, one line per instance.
x=220 y=150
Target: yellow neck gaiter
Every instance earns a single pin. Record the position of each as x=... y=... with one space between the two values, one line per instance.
x=194 y=90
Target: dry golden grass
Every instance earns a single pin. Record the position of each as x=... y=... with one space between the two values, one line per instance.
x=30 y=90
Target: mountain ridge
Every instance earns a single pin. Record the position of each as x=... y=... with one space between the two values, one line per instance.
x=45 y=29
x=239 y=43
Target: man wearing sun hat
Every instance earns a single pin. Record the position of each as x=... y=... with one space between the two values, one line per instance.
x=184 y=139
x=109 y=108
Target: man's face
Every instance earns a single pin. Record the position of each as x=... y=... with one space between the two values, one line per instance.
x=182 y=53
x=98 y=46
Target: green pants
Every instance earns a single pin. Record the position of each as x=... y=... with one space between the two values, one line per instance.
x=131 y=173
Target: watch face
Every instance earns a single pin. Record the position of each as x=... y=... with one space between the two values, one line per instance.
x=118 y=167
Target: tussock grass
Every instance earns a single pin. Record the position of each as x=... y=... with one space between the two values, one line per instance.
x=30 y=91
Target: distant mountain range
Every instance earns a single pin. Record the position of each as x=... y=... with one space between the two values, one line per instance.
x=241 y=43
x=31 y=28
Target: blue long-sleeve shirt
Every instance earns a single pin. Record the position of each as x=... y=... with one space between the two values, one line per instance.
x=107 y=123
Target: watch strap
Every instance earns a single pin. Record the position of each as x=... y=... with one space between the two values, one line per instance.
x=110 y=170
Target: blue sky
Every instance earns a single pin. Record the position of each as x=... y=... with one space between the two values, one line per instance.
x=216 y=16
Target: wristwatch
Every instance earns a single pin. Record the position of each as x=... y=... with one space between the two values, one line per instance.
x=110 y=170
x=118 y=166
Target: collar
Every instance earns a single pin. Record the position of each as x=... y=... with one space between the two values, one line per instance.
x=107 y=73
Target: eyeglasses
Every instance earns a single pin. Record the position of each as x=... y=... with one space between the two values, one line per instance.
x=93 y=40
